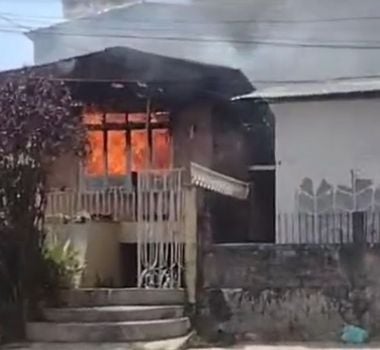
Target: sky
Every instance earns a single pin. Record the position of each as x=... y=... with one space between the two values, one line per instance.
x=16 y=50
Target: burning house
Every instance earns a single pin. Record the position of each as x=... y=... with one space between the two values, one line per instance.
x=150 y=119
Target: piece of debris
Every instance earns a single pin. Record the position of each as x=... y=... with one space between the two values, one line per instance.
x=82 y=217
x=354 y=335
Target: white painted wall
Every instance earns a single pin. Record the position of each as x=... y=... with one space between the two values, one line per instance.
x=325 y=140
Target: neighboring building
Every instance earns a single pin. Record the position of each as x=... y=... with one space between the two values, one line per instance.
x=271 y=42
x=320 y=274
x=327 y=154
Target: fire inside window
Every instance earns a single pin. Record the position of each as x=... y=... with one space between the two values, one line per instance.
x=122 y=143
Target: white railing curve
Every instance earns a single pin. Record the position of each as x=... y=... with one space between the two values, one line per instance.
x=117 y=203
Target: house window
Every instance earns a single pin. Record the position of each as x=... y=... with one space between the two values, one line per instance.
x=122 y=143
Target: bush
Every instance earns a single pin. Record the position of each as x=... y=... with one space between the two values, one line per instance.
x=39 y=122
x=62 y=263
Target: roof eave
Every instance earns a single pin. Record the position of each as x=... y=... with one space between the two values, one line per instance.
x=310 y=97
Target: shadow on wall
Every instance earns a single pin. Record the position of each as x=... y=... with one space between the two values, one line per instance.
x=363 y=195
x=332 y=214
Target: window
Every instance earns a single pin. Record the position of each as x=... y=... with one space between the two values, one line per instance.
x=122 y=143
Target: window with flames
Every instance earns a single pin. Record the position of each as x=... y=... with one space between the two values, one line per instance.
x=123 y=143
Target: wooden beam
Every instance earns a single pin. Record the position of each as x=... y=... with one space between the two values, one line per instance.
x=105 y=152
x=128 y=153
x=149 y=133
x=130 y=126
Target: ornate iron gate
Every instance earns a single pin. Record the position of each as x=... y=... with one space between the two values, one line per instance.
x=160 y=219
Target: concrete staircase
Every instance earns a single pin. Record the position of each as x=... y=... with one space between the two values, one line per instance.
x=113 y=316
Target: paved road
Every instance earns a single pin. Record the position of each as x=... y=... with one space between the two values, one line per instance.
x=164 y=345
x=306 y=346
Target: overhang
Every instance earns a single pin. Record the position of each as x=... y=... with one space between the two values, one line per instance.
x=339 y=88
x=122 y=65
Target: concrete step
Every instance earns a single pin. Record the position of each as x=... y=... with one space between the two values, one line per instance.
x=167 y=344
x=130 y=296
x=107 y=331
x=113 y=313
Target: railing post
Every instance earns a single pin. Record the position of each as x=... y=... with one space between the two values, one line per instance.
x=190 y=226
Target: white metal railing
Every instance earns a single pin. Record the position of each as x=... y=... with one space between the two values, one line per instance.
x=328 y=228
x=118 y=203
x=160 y=243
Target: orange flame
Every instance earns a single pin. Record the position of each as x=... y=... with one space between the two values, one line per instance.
x=95 y=159
x=162 y=149
x=139 y=143
x=117 y=148
x=117 y=161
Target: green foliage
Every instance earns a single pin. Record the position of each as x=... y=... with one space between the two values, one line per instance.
x=63 y=265
x=39 y=121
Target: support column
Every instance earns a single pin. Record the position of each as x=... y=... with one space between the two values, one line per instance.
x=190 y=228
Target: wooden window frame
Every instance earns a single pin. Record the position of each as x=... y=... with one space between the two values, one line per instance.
x=128 y=127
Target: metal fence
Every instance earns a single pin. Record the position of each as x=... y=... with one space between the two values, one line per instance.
x=160 y=246
x=328 y=228
x=117 y=203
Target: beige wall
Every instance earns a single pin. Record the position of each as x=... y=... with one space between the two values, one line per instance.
x=128 y=231
x=98 y=245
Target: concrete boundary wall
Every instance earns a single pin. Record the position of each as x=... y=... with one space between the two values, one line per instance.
x=287 y=292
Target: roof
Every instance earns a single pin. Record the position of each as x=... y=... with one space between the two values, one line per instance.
x=125 y=65
x=273 y=42
x=325 y=89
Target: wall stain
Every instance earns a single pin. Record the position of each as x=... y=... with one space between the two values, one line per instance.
x=292 y=292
